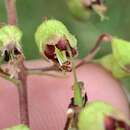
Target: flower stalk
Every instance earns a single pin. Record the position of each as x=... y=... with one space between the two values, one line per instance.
x=23 y=93
x=78 y=99
x=17 y=61
x=11 y=11
x=76 y=102
x=102 y=38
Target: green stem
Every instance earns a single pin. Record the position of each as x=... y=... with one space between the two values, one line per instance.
x=76 y=87
x=77 y=95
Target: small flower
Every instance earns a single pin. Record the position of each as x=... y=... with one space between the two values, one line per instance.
x=53 y=40
x=119 y=60
x=102 y=116
x=82 y=9
x=10 y=39
x=121 y=49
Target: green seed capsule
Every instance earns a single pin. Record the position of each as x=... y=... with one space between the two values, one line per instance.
x=101 y=116
x=53 y=40
x=10 y=39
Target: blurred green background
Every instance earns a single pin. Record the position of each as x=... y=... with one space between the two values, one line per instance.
x=32 y=12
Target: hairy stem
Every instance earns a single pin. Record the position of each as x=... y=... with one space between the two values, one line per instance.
x=11 y=12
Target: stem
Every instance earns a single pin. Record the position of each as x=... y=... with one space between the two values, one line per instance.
x=22 y=73
x=23 y=93
x=103 y=37
x=45 y=69
x=47 y=74
x=77 y=89
x=11 y=12
x=78 y=100
x=9 y=79
x=67 y=124
x=7 y=76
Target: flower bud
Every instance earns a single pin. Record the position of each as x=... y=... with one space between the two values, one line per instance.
x=53 y=40
x=121 y=50
x=118 y=62
x=82 y=9
x=10 y=39
x=101 y=116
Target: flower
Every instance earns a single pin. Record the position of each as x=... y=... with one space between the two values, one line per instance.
x=118 y=61
x=53 y=40
x=10 y=39
x=82 y=9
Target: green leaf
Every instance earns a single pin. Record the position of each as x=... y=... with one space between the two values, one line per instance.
x=92 y=116
x=19 y=127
